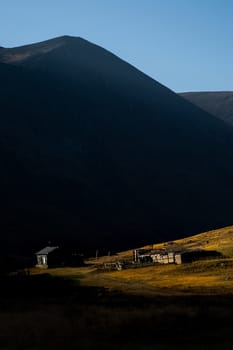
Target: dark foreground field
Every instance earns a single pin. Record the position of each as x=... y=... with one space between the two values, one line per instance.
x=45 y=312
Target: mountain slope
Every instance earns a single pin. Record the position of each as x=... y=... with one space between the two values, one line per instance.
x=220 y=104
x=106 y=157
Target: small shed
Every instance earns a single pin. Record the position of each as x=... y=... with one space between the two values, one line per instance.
x=47 y=256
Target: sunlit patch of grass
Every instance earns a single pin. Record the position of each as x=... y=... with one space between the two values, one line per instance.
x=201 y=276
x=209 y=276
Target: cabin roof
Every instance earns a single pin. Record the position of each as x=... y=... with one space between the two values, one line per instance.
x=46 y=250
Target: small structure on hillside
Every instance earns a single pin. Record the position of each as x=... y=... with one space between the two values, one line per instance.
x=116 y=265
x=172 y=257
x=47 y=256
x=164 y=258
x=153 y=257
x=55 y=257
x=142 y=256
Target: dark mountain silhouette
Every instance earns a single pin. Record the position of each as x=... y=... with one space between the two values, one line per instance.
x=218 y=103
x=95 y=153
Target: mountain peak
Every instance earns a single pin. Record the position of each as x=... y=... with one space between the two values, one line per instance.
x=66 y=37
x=60 y=39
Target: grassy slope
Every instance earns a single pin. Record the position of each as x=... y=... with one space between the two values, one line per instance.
x=220 y=240
x=200 y=277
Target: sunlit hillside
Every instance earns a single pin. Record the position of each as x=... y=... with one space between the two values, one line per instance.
x=210 y=276
x=220 y=240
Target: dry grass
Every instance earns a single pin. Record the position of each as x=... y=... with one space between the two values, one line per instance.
x=201 y=277
x=220 y=240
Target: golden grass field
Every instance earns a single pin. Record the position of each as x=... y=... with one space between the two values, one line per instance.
x=201 y=277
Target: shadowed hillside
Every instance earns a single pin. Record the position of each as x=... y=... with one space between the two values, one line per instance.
x=97 y=154
x=220 y=104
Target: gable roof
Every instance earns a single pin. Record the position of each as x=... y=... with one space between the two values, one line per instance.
x=46 y=250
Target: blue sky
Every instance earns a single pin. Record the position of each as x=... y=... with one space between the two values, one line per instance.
x=185 y=44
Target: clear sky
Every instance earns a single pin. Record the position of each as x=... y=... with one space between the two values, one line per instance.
x=187 y=45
